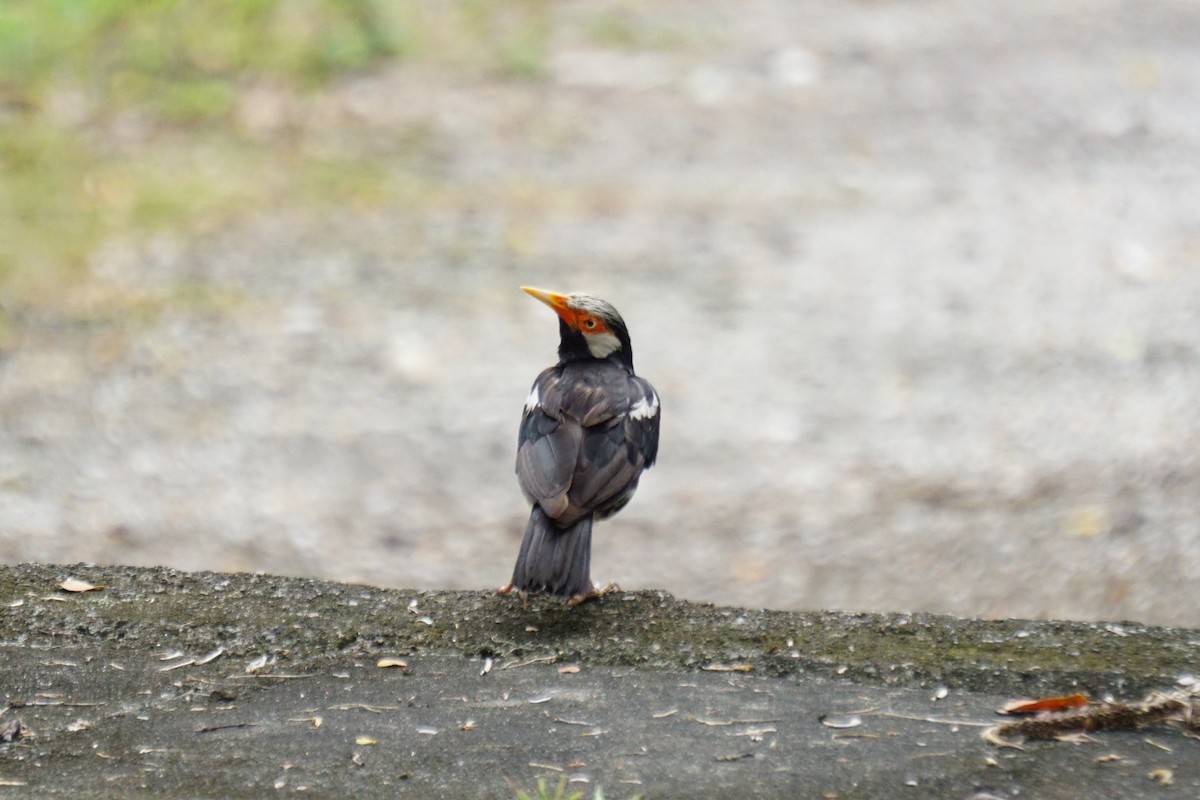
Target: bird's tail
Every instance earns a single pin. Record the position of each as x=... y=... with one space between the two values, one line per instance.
x=553 y=559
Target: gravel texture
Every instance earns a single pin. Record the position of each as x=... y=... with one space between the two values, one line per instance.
x=918 y=282
x=163 y=684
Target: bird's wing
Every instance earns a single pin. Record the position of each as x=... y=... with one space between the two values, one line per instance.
x=614 y=453
x=644 y=417
x=585 y=438
x=547 y=446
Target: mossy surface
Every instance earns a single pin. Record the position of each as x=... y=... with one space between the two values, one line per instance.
x=307 y=624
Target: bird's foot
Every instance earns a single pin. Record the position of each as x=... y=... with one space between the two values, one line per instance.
x=596 y=591
x=508 y=588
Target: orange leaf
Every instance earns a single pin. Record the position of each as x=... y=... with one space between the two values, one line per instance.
x=1061 y=703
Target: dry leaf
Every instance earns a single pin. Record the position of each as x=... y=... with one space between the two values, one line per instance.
x=579 y=722
x=391 y=662
x=540 y=765
x=257 y=664
x=215 y=654
x=366 y=740
x=754 y=733
x=728 y=668
x=569 y=669
x=76 y=585
x=1163 y=776
x=848 y=721
x=315 y=721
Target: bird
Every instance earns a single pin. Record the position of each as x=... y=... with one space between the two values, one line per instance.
x=588 y=431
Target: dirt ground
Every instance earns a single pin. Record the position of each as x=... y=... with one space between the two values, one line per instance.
x=164 y=684
x=918 y=283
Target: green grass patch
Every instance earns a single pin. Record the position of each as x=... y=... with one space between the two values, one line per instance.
x=557 y=792
x=122 y=118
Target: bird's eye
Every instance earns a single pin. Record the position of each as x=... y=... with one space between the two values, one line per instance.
x=589 y=323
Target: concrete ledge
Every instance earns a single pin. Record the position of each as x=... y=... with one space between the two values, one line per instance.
x=276 y=688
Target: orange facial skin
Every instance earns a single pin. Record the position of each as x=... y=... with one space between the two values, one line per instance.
x=580 y=320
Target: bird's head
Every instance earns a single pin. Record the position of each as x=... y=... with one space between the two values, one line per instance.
x=588 y=326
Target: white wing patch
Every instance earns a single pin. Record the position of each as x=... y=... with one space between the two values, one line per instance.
x=532 y=401
x=644 y=409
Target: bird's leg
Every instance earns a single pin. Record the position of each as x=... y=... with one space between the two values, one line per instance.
x=508 y=587
x=596 y=591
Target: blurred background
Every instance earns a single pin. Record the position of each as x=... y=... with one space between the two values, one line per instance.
x=918 y=282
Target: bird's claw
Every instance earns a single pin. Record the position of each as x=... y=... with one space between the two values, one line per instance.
x=508 y=588
x=595 y=592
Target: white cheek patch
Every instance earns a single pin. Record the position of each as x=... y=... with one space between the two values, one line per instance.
x=602 y=345
x=532 y=401
x=644 y=409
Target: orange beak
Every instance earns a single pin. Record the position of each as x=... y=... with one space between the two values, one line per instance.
x=556 y=301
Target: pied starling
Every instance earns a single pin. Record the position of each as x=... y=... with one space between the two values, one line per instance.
x=589 y=429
